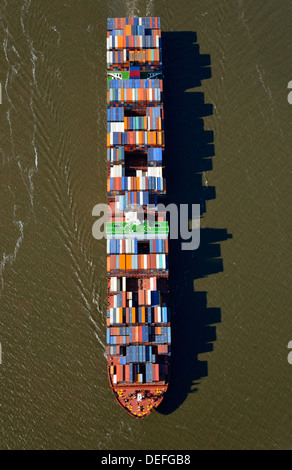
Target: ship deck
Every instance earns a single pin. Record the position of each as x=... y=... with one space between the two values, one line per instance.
x=139 y=400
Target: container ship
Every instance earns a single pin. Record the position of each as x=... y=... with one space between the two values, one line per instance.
x=138 y=326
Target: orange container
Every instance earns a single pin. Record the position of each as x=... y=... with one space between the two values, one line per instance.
x=140 y=261
x=137 y=334
x=143 y=314
x=133 y=315
x=128 y=262
x=122 y=262
x=140 y=334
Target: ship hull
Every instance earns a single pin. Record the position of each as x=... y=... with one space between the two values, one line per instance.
x=138 y=318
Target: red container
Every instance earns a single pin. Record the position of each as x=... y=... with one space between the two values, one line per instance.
x=152 y=261
x=112 y=261
x=120 y=372
x=124 y=298
x=155 y=316
x=155 y=372
x=127 y=373
x=166 y=245
x=140 y=297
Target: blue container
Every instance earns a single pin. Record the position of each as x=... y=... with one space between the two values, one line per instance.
x=135 y=354
x=131 y=373
x=148 y=372
x=131 y=354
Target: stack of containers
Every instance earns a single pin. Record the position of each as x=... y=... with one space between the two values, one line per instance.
x=138 y=328
x=128 y=42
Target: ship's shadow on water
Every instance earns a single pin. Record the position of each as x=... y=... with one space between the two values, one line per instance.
x=189 y=152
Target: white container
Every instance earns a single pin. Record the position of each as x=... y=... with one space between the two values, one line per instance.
x=148 y=297
x=159 y=314
x=111 y=316
x=163 y=261
x=157 y=262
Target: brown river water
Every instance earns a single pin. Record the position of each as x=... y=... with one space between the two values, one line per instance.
x=229 y=140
